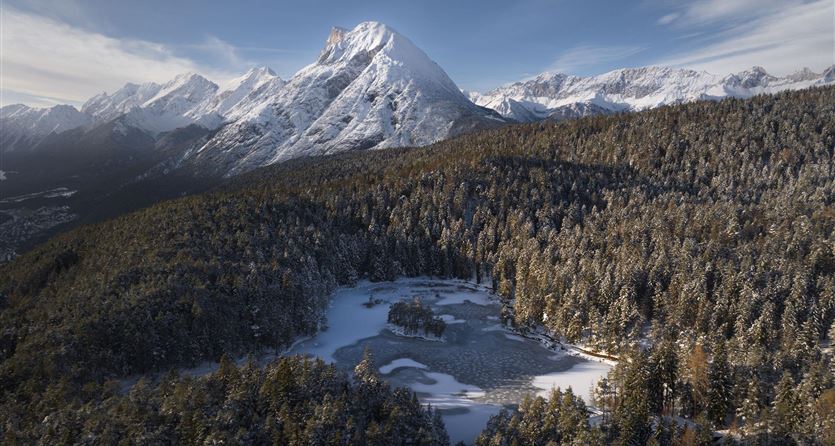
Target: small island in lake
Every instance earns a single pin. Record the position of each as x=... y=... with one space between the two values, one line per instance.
x=413 y=316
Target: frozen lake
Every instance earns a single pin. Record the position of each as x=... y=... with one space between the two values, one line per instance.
x=478 y=368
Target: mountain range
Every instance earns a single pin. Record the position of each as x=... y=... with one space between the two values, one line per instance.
x=560 y=96
x=370 y=88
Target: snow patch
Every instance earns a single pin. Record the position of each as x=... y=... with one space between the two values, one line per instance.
x=496 y=327
x=402 y=362
x=451 y=320
x=445 y=391
x=58 y=192
x=349 y=321
x=582 y=377
x=513 y=337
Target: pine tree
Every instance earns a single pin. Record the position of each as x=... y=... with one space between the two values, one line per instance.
x=786 y=411
x=365 y=370
x=750 y=411
x=720 y=382
x=632 y=414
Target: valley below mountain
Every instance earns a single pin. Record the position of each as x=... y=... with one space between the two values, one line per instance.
x=693 y=242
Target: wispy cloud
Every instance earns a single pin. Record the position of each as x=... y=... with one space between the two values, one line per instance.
x=706 y=12
x=14 y=97
x=783 y=39
x=668 y=18
x=224 y=51
x=47 y=59
x=585 y=56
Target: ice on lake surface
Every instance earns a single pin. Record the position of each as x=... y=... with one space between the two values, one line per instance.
x=581 y=378
x=450 y=319
x=479 y=368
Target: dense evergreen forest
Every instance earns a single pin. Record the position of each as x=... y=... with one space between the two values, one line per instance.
x=695 y=242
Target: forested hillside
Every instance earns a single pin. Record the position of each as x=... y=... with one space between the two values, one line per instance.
x=706 y=231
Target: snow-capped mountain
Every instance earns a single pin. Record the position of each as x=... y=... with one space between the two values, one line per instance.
x=178 y=103
x=561 y=96
x=238 y=95
x=106 y=107
x=152 y=108
x=370 y=88
x=187 y=99
x=24 y=127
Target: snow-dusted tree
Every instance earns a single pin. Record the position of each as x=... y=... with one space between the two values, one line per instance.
x=786 y=410
x=720 y=386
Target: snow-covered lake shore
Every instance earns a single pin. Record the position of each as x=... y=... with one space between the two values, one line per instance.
x=479 y=368
x=476 y=369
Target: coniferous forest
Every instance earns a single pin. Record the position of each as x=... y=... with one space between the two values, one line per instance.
x=694 y=242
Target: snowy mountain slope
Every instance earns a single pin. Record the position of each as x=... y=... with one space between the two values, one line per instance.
x=104 y=107
x=370 y=88
x=24 y=127
x=187 y=99
x=237 y=95
x=178 y=103
x=561 y=96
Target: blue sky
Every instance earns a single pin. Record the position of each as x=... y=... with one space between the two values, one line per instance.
x=67 y=50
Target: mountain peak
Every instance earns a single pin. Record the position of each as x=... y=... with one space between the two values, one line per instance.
x=188 y=78
x=25 y=127
x=371 y=87
x=803 y=74
x=336 y=35
x=262 y=70
x=755 y=77
x=253 y=76
x=366 y=39
x=371 y=35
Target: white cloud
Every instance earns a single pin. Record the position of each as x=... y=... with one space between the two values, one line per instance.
x=711 y=11
x=783 y=41
x=587 y=56
x=43 y=58
x=669 y=18
x=220 y=51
